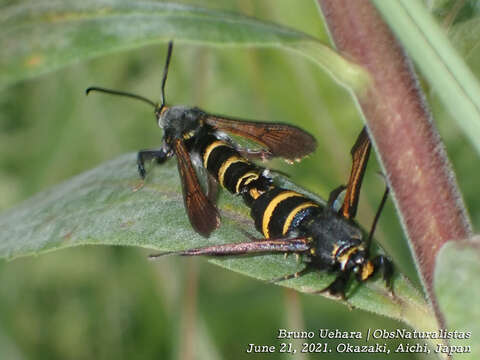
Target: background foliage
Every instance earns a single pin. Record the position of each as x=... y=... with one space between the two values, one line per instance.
x=106 y=302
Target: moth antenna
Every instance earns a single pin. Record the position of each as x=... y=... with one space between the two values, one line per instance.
x=165 y=71
x=377 y=216
x=120 y=93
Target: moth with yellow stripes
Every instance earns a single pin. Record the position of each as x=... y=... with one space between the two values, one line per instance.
x=326 y=237
x=189 y=131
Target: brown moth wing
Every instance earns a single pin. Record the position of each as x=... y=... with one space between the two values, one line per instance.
x=202 y=213
x=265 y=246
x=281 y=140
x=360 y=154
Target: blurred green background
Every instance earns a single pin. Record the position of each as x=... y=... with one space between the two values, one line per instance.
x=110 y=302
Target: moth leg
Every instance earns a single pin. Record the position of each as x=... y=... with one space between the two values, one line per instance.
x=145 y=155
x=337 y=287
x=297 y=274
x=383 y=265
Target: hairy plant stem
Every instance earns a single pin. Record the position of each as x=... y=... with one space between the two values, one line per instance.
x=423 y=185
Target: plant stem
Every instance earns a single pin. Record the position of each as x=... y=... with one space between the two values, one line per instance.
x=400 y=125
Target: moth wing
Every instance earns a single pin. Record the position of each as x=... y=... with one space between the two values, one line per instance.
x=360 y=154
x=202 y=213
x=280 y=140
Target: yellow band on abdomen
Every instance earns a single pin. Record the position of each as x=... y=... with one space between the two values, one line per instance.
x=267 y=215
x=250 y=176
x=293 y=213
x=209 y=150
x=223 y=169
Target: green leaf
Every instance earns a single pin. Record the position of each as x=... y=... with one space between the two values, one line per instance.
x=465 y=38
x=108 y=206
x=42 y=36
x=457 y=286
x=438 y=61
x=439 y=6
